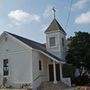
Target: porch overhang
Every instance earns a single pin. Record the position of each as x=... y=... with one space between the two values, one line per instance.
x=52 y=58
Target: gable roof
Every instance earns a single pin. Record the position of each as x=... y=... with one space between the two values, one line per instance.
x=54 y=26
x=35 y=45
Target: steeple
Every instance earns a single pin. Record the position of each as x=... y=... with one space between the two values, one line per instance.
x=56 y=38
x=54 y=26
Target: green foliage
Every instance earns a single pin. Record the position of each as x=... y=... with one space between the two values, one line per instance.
x=68 y=71
x=79 y=49
x=79 y=56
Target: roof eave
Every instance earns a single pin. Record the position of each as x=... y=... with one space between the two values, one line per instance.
x=47 y=32
x=58 y=61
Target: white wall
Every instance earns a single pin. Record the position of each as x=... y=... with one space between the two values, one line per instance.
x=39 y=76
x=20 y=60
x=58 y=50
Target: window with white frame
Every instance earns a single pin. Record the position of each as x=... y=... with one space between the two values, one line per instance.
x=52 y=41
x=40 y=65
x=62 y=41
x=5 y=67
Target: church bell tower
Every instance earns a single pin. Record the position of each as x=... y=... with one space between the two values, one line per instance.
x=56 y=39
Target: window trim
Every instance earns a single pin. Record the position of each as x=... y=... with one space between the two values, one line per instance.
x=5 y=67
x=55 y=42
x=63 y=42
x=40 y=64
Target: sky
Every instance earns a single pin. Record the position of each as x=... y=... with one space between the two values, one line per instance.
x=30 y=18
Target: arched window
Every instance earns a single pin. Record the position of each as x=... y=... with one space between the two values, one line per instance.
x=40 y=65
x=62 y=41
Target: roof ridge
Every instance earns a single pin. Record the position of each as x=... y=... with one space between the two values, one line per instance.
x=24 y=38
x=34 y=45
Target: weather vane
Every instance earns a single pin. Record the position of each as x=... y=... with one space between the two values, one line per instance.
x=54 y=10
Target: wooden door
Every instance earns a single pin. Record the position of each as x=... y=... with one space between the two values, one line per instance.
x=57 y=72
x=51 y=75
x=51 y=72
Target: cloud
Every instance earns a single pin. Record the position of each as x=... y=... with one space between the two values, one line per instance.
x=19 y=17
x=48 y=11
x=80 y=4
x=84 y=18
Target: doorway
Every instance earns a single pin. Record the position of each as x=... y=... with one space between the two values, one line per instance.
x=51 y=73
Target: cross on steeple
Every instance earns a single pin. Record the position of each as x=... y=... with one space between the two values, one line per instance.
x=54 y=10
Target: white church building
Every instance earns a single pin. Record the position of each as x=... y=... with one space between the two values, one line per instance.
x=26 y=62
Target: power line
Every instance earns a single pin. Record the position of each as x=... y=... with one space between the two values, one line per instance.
x=69 y=13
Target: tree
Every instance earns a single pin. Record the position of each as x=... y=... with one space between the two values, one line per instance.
x=79 y=52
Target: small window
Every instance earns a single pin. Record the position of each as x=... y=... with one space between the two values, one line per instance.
x=5 y=67
x=52 y=41
x=62 y=41
x=40 y=65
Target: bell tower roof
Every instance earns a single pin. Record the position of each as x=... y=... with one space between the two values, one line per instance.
x=54 y=26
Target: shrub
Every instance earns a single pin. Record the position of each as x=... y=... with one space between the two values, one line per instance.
x=68 y=71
